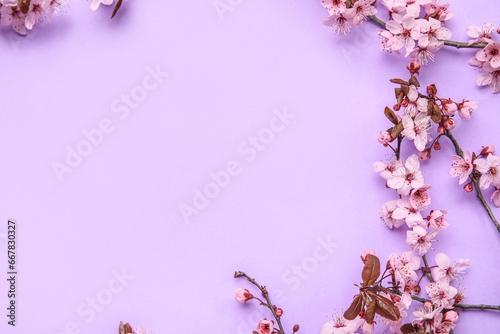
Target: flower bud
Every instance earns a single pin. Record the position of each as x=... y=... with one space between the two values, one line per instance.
x=396 y=107
x=365 y=254
x=449 y=124
x=296 y=328
x=414 y=66
x=279 y=312
x=424 y=155
x=441 y=130
x=437 y=146
x=432 y=90
x=469 y=187
x=451 y=316
x=449 y=108
x=243 y=295
x=404 y=103
x=417 y=289
x=487 y=150
x=384 y=138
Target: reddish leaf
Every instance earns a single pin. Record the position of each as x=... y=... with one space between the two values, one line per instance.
x=124 y=328
x=118 y=5
x=414 y=81
x=409 y=329
x=371 y=271
x=396 y=130
x=386 y=308
x=370 y=312
x=399 y=81
x=391 y=116
x=355 y=309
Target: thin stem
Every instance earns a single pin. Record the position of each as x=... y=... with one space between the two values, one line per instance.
x=458 y=45
x=428 y=271
x=475 y=180
x=266 y=296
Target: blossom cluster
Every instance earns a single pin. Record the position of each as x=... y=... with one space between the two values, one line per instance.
x=487 y=59
x=23 y=15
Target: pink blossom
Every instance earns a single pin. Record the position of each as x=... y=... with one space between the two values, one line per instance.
x=487 y=150
x=405 y=31
x=51 y=7
x=424 y=54
x=491 y=53
x=96 y=3
x=466 y=108
x=419 y=240
x=416 y=129
x=14 y=16
x=243 y=295
x=451 y=316
x=441 y=10
x=386 y=36
x=413 y=6
x=394 y=6
x=424 y=155
x=339 y=23
x=265 y=326
x=387 y=170
x=408 y=212
x=340 y=326
x=432 y=32
x=480 y=34
x=419 y=198
x=437 y=220
x=461 y=167
x=441 y=294
x=386 y=215
x=449 y=108
x=35 y=14
x=425 y=315
x=445 y=271
x=334 y=6
x=359 y=12
x=490 y=168
x=404 y=179
x=384 y=138
x=405 y=266
x=9 y=3
x=495 y=198
x=490 y=77
x=415 y=104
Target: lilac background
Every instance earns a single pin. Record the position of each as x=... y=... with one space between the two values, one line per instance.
x=119 y=209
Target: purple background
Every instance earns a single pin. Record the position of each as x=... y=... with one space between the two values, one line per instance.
x=119 y=208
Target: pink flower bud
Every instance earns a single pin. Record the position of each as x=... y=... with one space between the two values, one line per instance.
x=437 y=146
x=469 y=187
x=441 y=130
x=449 y=124
x=365 y=254
x=384 y=138
x=404 y=103
x=396 y=107
x=279 y=312
x=450 y=316
x=487 y=150
x=265 y=326
x=243 y=295
x=449 y=108
x=495 y=198
x=424 y=155
x=414 y=66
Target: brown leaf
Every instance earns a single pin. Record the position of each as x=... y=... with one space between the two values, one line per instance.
x=118 y=5
x=391 y=116
x=406 y=89
x=370 y=312
x=407 y=329
x=24 y=5
x=371 y=270
x=399 y=81
x=436 y=113
x=386 y=308
x=124 y=328
x=396 y=131
x=355 y=309
x=414 y=81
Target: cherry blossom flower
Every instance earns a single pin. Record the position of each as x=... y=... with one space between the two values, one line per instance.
x=265 y=326
x=405 y=31
x=386 y=215
x=334 y=6
x=416 y=129
x=490 y=168
x=441 y=294
x=387 y=170
x=51 y=7
x=424 y=54
x=359 y=12
x=437 y=220
x=243 y=295
x=340 y=326
x=466 y=108
x=14 y=16
x=405 y=266
x=487 y=150
x=480 y=34
x=425 y=316
x=35 y=14
x=449 y=108
x=435 y=8
x=408 y=212
x=419 y=198
x=432 y=32
x=445 y=271
x=394 y=6
x=339 y=23
x=490 y=77
x=415 y=104
x=461 y=167
x=386 y=36
x=96 y=3
x=442 y=326
x=419 y=240
x=9 y=3
x=491 y=53
x=413 y=6
x=495 y=197
x=404 y=179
